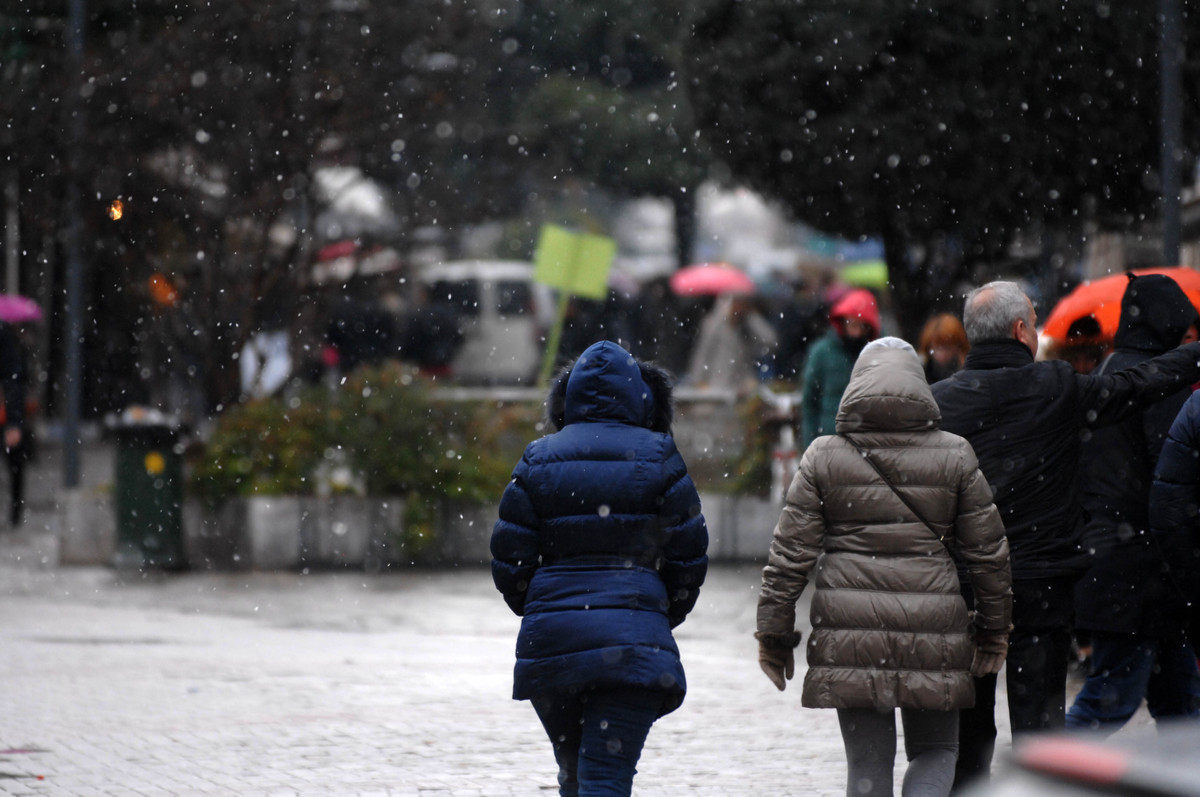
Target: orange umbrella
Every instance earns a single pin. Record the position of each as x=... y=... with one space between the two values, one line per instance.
x=1101 y=299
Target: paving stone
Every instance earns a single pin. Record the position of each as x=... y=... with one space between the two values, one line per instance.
x=282 y=685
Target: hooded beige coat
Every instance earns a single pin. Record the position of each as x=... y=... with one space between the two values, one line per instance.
x=890 y=626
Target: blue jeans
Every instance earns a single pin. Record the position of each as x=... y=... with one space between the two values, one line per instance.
x=598 y=738
x=1126 y=668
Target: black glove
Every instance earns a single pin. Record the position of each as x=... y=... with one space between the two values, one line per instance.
x=777 y=656
x=991 y=648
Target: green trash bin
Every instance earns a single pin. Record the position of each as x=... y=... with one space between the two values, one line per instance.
x=149 y=493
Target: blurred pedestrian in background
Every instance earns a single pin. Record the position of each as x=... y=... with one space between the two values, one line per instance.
x=1025 y=420
x=734 y=347
x=265 y=361
x=432 y=334
x=882 y=505
x=18 y=438
x=800 y=322
x=943 y=346
x=1085 y=346
x=1132 y=620
x=601 y=549
x=589 y=320
x=854 y=319
x=664 y=325
x=362 y=332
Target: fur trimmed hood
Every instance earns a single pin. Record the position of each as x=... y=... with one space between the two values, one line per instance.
x=608 y=383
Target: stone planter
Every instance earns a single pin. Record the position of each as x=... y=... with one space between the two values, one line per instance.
x=297 y=532
x=294 y=532
x=86 y=527
x=740 y=527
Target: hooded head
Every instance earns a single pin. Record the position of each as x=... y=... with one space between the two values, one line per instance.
x=888 y=391
x=1155 y=313
x=857 y=305
x=607 y=383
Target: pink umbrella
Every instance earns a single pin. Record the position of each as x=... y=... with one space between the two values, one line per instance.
x=16 y=309
x=711 y=279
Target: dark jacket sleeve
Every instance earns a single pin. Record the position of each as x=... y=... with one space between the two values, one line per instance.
x=798 y=540
x=1110 y=398
x=982 y=548
x=1175 y=499
x=685 y=547
x=514 y=542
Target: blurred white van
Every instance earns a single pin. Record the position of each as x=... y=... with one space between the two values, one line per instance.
x=503 y=315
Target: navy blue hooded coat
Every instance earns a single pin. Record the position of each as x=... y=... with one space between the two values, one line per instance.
x=600 y=545
x=1175 y=513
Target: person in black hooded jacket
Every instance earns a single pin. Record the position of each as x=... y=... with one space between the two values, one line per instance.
x=1025 y=420
x=1123 y=602
x=18 y=443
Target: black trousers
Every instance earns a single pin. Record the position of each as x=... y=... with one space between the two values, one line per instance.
x=1039 y=650
x=17 y=459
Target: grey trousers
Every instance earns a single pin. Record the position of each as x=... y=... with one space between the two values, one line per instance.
x=930 y=745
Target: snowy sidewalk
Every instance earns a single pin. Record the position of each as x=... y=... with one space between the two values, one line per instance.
x=344 y=684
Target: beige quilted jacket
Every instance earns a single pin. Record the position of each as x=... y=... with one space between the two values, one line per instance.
x=890 y=628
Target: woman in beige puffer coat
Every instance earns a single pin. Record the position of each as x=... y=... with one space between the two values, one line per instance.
x=890 y=626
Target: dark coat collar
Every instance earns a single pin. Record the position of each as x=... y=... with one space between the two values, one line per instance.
x=1008 y=353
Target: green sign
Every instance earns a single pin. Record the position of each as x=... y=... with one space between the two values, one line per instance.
x=576 y=264
x=865 y=274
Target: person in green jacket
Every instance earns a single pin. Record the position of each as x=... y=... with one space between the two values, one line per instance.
x=854 y=322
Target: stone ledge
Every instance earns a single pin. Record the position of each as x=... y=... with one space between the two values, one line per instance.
x=293 y=532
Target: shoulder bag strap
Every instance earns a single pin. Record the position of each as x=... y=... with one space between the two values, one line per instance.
x=900 y=495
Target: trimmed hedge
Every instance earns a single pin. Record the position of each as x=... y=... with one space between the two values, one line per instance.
x=382 y=432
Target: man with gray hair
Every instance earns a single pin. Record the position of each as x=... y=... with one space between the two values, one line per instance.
x=1025 y=420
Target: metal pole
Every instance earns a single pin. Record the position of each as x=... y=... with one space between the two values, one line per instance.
x=74 y=279
x=1171 y=60
x=12 y=232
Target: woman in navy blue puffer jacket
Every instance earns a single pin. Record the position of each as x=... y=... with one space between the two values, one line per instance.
x=600 y=547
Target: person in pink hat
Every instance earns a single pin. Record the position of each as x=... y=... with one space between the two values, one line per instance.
x=854 y=322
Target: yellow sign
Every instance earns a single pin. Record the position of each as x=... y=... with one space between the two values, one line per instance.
x=156 y=463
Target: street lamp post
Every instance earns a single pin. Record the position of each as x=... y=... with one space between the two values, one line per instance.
x=1171 y=61
x=74 y=278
